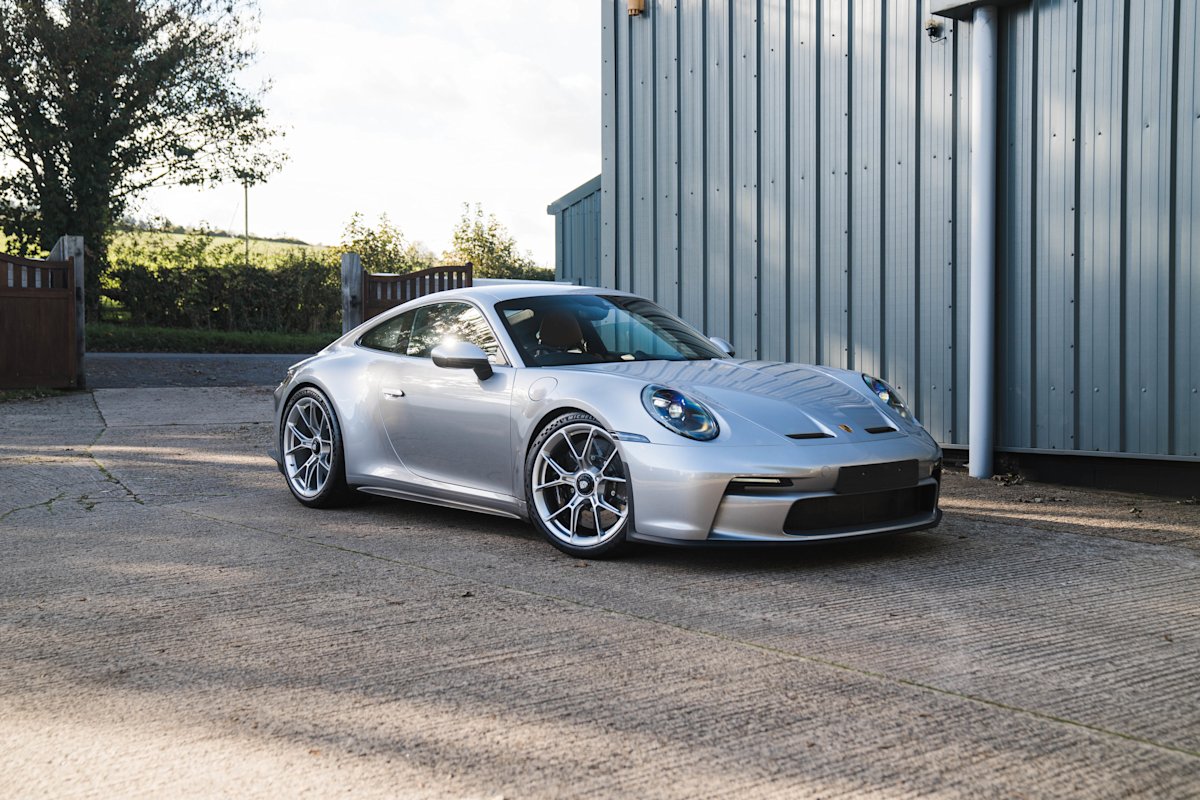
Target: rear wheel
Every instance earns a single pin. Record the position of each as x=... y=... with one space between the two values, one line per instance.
x=577 y=487
x=314 y=460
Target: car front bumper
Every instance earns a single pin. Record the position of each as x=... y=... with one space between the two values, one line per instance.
x=693 y=495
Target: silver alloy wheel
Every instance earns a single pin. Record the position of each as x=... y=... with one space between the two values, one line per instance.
x=579 y=485
x=308 y=447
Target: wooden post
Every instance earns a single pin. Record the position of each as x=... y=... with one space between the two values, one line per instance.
x=70 y=248
x=352 y=291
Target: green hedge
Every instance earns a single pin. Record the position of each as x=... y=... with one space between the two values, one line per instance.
x=200 y=283
x=299 y=295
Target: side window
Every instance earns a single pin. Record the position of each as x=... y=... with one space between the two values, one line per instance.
x=390 y=336
x=462 y=321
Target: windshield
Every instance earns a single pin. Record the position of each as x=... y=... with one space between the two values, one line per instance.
x=565 y=329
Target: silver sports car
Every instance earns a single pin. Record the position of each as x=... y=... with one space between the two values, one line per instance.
x=603 y=419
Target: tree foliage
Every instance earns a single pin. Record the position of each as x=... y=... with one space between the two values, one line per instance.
x=383 y=247
x=483 y=241
x=102 y=99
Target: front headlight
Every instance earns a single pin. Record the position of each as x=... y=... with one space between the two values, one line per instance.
x=683 y=415
x=888 y=395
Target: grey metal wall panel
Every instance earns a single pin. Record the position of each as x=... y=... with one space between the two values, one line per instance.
x=899 y=240
x=1147 y=221
x=1015 y=231
x=1186 y=390
x=577 y=235
x=642 y=179
x=934 y=395
x=1054 y=228
x=833 y=170
x=692 y=174
x=802 y=93
x=773 y=181
x=794 y=175
x=1101 y=147
x=666 y=155
x=867 y=49
x=962 y=238
x=744 y=195
x=718 y=157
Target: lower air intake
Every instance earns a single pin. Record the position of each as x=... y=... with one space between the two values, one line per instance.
x=859 y=511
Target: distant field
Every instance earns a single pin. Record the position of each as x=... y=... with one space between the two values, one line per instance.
x=124 y=240
x=262 y=247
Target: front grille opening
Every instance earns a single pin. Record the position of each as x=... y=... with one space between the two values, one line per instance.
x=814 y=435
x=881 y=429
x=859 y=511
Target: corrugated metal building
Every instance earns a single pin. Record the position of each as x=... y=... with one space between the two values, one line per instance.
x=577 y=234
x=794 y=175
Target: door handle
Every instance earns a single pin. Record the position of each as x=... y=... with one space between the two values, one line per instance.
x=393 y=394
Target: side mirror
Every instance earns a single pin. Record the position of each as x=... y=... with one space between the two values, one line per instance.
x=722 y=345
x=463 y=355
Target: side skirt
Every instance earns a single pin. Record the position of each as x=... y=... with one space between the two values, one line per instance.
x=463 y=505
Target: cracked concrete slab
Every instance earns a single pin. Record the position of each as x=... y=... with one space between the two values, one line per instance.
x=218 y=638
x=183 y=406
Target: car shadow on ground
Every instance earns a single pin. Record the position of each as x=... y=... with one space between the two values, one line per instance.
x=714 y=558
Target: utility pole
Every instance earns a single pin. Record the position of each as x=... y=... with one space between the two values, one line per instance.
x=246 y=209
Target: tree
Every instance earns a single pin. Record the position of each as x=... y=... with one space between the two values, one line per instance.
x=483 y=241
x=384 y=248
x=102 y=99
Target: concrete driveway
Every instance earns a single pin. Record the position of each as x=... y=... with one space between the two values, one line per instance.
x=173 y=623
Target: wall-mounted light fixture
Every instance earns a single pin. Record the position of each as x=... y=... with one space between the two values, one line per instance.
x=636 y=7
x=934 y=30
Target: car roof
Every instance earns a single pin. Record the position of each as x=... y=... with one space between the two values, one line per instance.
x=495 y=293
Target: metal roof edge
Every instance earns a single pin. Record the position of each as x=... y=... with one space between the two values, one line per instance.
x=574 y=196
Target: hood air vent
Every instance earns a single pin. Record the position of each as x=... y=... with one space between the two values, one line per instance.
x=816 y=435
x=881 y=429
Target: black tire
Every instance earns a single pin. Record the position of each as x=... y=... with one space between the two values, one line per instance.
x=334 y=492
x=615 y=543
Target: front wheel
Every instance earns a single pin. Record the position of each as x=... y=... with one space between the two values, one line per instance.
x=314 y=460
x=577 y=487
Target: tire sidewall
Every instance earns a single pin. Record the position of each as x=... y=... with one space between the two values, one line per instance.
x=610 y=547
x=335 y=489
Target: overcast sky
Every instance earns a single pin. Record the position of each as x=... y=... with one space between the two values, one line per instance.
x=413 y=108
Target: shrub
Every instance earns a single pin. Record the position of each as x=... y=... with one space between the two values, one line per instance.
x=199 y=284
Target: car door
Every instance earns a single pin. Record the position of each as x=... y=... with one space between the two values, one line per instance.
x=447 y=425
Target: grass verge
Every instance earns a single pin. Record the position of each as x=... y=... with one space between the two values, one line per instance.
x=106 y=337
x=12 y=395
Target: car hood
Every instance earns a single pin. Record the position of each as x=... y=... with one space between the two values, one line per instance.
x=804 y=402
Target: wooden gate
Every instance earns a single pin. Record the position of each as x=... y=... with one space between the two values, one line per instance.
x=382 y=291
x=38 y=344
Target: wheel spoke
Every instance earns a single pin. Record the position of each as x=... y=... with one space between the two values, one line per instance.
x=548 y=484
x=596 y=516
x=301 y=446
x=576 y=507
x=554 y=466
x=613 y=479
x=303 y=409
x=574 y=453
x=297 y=434
x=587 y=445
x=611 y=509
x=561 y=509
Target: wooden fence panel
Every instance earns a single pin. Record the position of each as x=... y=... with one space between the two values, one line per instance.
x=382 y=291
x=37 y=324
